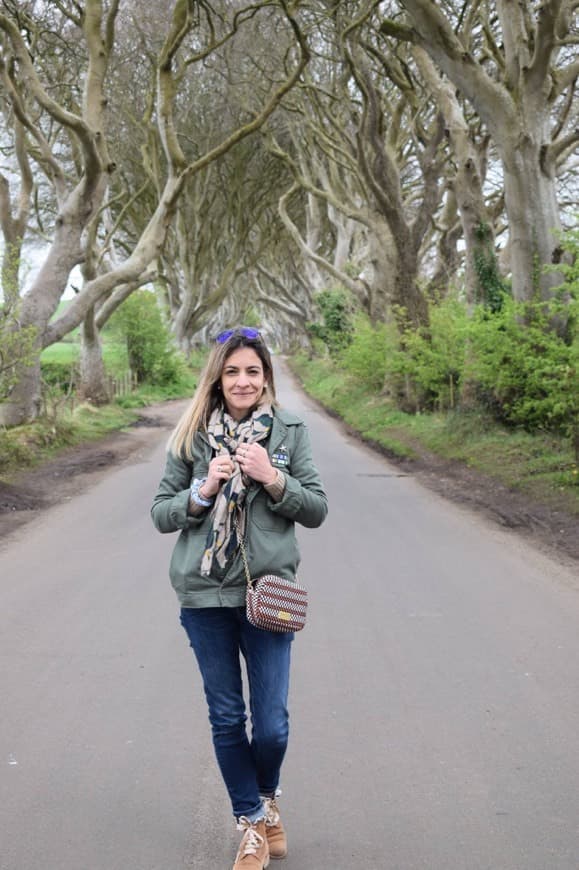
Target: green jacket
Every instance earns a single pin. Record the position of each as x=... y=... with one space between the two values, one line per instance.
x=271 y=542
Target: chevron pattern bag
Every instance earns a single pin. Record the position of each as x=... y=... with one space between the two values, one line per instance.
x=272 y=602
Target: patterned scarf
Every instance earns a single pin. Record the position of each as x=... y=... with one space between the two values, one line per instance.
x=225 y=435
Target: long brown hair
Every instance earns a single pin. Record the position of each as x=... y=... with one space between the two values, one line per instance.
x=208 y=396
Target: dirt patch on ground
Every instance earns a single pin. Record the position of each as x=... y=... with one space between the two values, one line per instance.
x=550 y=527
x=76 y=468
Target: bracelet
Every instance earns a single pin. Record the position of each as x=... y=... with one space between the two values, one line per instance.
x=196 y=496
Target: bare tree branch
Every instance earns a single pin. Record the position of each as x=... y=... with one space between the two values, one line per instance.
x=54 y=109
x=545 y=41
x=434 y=33
x=564 y=77
x=560 y=146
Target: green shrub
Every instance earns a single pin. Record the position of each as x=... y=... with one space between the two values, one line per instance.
x=152 y=357
x=366 y=357
x=421 y=368
x=434 y=357
x=337 y=326
x=511 y=360
x=59 y=374
x=526 y=373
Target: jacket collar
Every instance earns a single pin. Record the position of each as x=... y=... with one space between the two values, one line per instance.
x=278 y=432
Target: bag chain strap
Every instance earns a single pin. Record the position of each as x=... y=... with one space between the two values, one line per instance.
x=241 y=543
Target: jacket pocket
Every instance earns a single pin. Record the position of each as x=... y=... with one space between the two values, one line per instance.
x=266 y=520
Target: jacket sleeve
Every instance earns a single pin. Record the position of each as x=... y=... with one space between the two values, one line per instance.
x=170 y=505
x=304 y=500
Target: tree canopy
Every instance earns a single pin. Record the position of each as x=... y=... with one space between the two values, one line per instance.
x=251 y=155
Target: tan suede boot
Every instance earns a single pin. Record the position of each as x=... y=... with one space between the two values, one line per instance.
x=274 y=830
x=253 y=852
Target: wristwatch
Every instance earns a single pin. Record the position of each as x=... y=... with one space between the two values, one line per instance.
x=195 y=496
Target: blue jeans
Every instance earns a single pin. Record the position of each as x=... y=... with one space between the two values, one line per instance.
x=250 y=768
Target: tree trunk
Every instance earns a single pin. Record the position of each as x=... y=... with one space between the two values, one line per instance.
x=447 y=256
x=531 y=203
x=344 y=229
x=412 y=307
x=36 y=308
x=478 y=234
x=380 y=271
x=24 y=402
x=314 y=275
x=467 y=184
x=182 y=320
x=93 y=385
x=11 y=260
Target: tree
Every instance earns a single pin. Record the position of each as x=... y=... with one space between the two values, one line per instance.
x=469 y=157
x=81 y=204
x=516 y=80
x=14 y=215
x=367 y=152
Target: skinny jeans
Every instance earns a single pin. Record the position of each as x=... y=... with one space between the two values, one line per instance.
x=250 y=766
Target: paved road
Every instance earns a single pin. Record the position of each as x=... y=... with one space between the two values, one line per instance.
x=435 y=691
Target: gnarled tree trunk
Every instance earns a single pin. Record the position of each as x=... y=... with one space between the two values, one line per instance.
x=93 y=383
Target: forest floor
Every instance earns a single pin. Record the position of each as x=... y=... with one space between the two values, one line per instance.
x=548 y=526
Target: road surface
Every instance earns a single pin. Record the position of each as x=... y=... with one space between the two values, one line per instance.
x=435 y=690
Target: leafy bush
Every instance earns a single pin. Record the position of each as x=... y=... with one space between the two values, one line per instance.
x=337 y=326
x=522 y=367
x=366 y=357
x=512 y=360
x=434 y=357
x=422 y=368
x=59 y=374
x=151 y=355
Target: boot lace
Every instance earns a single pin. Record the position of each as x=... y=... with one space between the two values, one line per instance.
x=271 y=812
x=252 y=841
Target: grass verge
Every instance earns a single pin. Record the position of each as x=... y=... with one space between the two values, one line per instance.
x=25 y=447
x=541 y=466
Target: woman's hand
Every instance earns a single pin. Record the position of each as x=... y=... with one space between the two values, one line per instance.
x=254 y=461
x=220 y=470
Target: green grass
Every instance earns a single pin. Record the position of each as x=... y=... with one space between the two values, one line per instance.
x=25 y=447
x=64 y=352
x=541 y=465
x=67 y=423
x=68 y=353
x=115 y=356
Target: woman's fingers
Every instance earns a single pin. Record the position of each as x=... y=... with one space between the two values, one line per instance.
x=254 y=461
x=223 y=467
x=219 y=471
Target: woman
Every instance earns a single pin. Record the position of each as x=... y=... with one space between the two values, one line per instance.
x=237 y=463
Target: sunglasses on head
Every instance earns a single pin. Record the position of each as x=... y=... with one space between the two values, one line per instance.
x=246 y=331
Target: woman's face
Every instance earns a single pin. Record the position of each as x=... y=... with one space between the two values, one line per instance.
x=242 y=382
